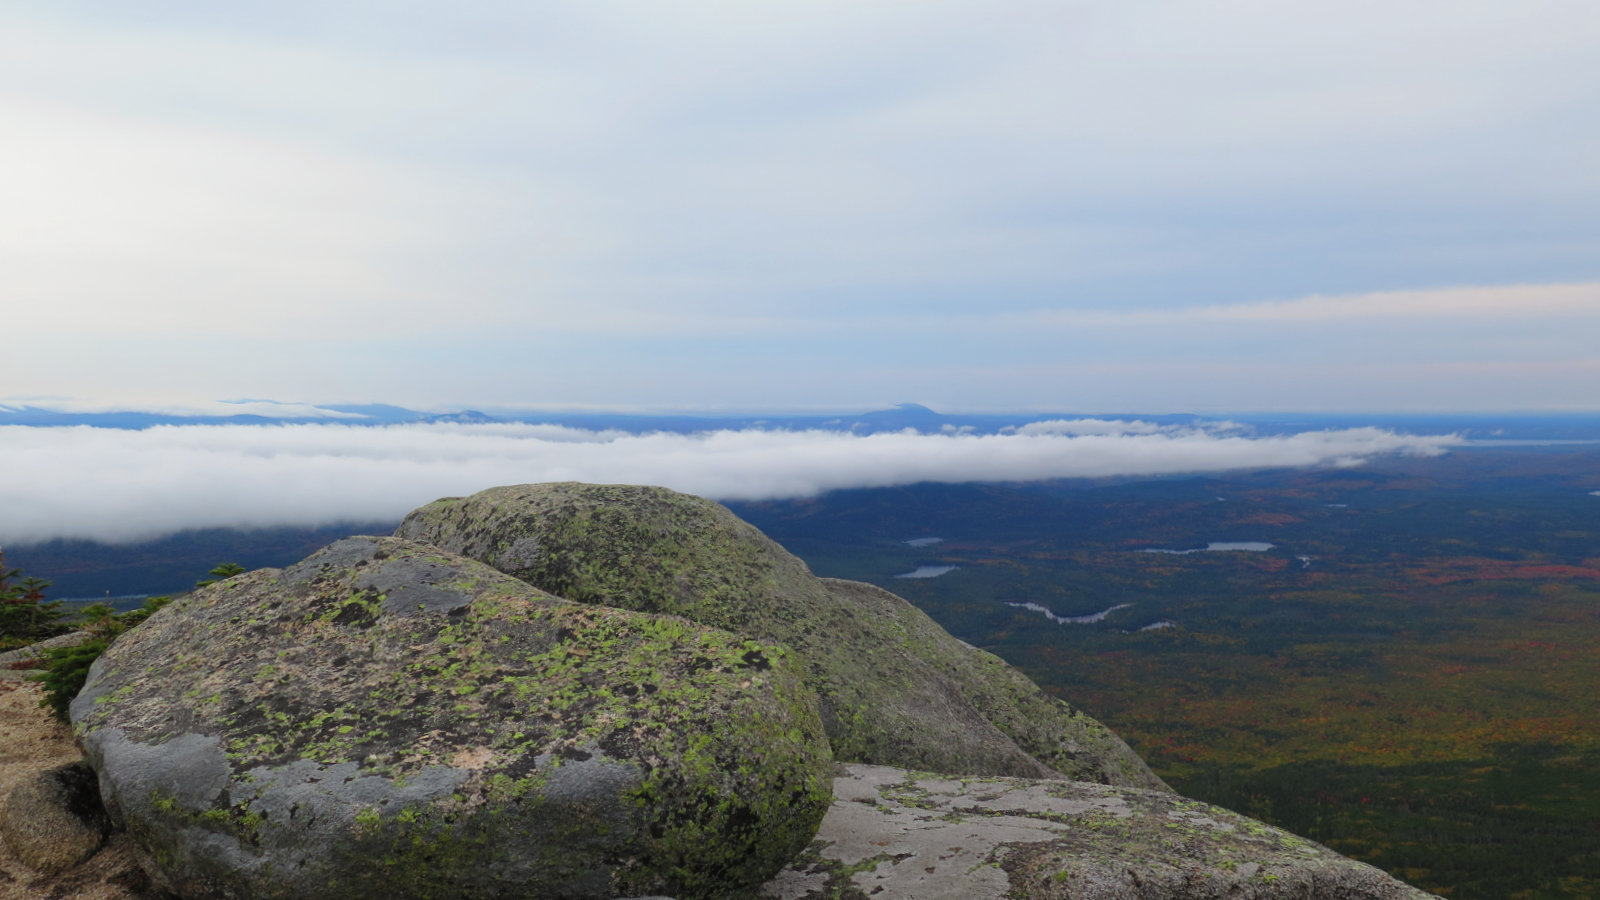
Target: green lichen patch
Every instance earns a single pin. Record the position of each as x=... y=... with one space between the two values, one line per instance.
x=458 y=731
x=895 y=688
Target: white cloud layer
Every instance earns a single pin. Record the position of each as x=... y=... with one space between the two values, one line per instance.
x=114 y=485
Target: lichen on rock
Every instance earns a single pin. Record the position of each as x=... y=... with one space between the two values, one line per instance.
x=388 y=713
x=895 y=688
x=892 y=834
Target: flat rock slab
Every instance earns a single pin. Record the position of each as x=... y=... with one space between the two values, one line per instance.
x=34 y=654
x=897 y=835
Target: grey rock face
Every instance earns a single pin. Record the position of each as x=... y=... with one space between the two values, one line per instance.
x=387 y=715
x=53 y=821
x=898 y=835
x=35 y=653
x=895 y=688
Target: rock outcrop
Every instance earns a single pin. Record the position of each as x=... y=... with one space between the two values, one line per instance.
x=53 y=821
x=643 y=711
x=895 y=688
x=385 y=716
x=32 y=743
x=898 y=835
x=19 y=664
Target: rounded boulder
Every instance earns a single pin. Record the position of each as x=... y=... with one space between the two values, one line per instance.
x=52 y=821
x=895 y=688
x=386 y=716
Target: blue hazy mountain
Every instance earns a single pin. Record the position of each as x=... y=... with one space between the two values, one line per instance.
x=913 y=416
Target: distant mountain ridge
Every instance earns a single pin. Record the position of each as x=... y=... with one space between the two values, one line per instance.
x=913 y=416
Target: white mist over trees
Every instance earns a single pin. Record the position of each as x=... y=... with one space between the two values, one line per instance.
x=115 y=485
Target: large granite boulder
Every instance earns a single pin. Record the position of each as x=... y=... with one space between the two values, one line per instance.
x=388 y=719
x=895 y=687
x=898 y=835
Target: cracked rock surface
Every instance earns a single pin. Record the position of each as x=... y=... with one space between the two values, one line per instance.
x=897 y=835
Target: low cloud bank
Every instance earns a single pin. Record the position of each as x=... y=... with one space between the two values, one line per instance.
x=111 y=485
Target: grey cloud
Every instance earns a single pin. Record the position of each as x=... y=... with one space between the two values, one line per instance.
x=726 y=182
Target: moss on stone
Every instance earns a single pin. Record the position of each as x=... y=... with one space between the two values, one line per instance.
x=455 y=717
x=895 y=688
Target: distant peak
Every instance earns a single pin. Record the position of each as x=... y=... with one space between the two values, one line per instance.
x=902 y=415
x=464 y=417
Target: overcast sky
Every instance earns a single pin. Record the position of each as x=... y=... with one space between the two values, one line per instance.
x=1143 y=206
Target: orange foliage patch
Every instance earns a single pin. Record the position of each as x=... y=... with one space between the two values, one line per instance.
x=1447 y=571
